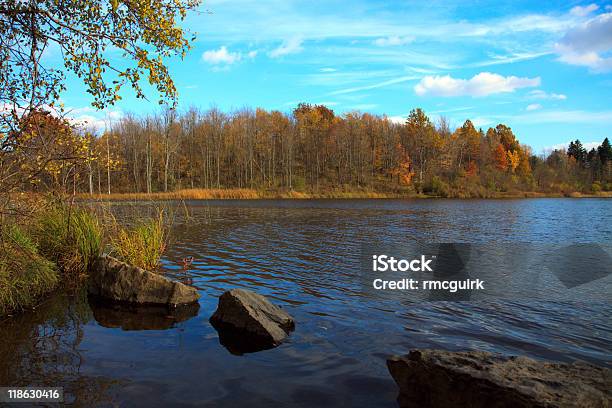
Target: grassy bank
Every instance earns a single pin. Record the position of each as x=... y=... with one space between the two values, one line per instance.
x=55 y=245
x=25 y=275
x=251 y=194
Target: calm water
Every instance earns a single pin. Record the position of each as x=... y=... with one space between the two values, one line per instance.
x=302 y=255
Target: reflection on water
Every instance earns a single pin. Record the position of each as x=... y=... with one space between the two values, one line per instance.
x=301 y=254
x=140 y=317
x=43 y=348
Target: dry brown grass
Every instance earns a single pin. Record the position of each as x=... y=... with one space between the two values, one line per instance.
x=251 y=194
x=187 y=194
x=242 y=194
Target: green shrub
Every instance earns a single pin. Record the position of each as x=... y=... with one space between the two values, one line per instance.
x=72 y=237
x=24 y=274
x=142 y=245
x=437 y=186
x=299 y=183
x=596 y=187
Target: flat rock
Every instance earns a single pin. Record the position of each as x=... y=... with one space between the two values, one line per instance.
x=248 y=322
x=436 y=378
x=115 y=280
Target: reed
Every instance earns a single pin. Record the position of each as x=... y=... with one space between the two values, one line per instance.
x=142 y=245
x=190 y=194
x=70 y=236
x=240 y=194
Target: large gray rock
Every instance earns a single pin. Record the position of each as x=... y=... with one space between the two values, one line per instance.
x=248 y=322
x=116 y=280
x=435 y=378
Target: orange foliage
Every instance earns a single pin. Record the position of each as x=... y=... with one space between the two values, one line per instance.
x=500 y=157
x=403 y=169
x=472 y=169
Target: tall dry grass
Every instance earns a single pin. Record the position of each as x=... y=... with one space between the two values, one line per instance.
x=189 y=194
x=241 y=194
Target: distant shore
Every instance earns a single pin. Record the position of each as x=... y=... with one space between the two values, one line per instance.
x=252 y=194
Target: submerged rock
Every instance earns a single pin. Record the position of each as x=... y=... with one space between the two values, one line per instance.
x=435 y=378
x=112 y=279
x=248 y=322
x=134 y=316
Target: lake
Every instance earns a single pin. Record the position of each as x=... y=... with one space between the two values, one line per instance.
x=303 y=255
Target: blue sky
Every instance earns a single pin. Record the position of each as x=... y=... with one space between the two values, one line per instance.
x=542 y=67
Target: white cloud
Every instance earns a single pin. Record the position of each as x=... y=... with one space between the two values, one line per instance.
x=88 y=118
x=252 y=54
x=563 y=146
x=582 y=11
x=485 y=83
x=327 y=70
x=393 y=40
x=533 y=106
x=450 y=110
x=480 y=121
x=588 y=43
x=399 y=119
x=291 y=46
x=221 y=56
x=540 y=94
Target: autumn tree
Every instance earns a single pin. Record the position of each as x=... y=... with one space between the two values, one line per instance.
x=85 y=33
x=501 y=157
x=403 y=169
x=314 y=124
x=467 y=140
x=423 y=141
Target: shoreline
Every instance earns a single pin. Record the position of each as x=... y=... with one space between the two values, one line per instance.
x=252 y=194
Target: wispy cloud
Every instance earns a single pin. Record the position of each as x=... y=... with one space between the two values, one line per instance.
x=533 y=106
x=540 y=94
x=509 y=59
x=291 y=46
x=582 y=11
x=363 y=106
x=562 y=116
x=393 y=40
x=374 y=86
x=460 y=109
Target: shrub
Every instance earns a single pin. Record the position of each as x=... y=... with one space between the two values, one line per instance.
x=596 y=187
x=142 y=245
x=24 y=274
x=437 y=187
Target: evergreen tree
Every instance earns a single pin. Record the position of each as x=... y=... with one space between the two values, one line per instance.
x=605 y=151
x=577 y=151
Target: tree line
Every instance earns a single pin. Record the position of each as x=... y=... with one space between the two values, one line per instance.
x=311 y=149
